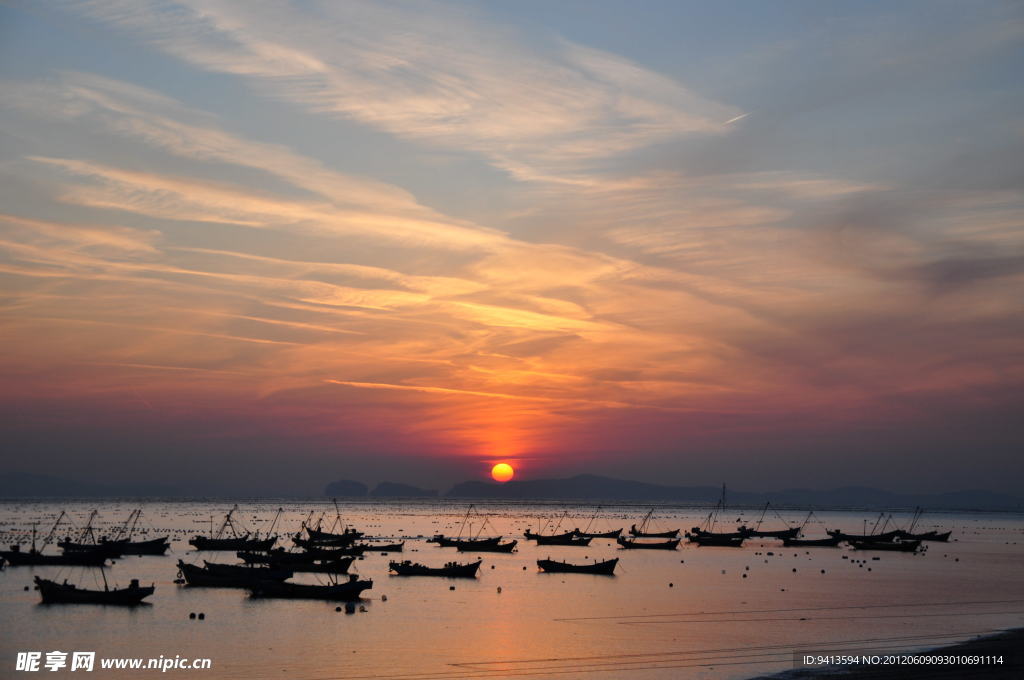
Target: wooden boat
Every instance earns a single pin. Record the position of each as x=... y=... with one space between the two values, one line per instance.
x=633 y=544
x=606 y=534
x=897 y=546
x=641 y=531
x=757 y=532
x=449 y=570
x=34 y=557
x=571 y=539
x=246 y=570
x=551 y=566
x=716 y=540
x=446 y=542
x=123 y=539
x=741 y=532
x=830 y=542
x=496 y=547
x=204 y=577
x=530 y=536
x=347 y=537
x=392 y=547
x=347 y=591
x=53 y=592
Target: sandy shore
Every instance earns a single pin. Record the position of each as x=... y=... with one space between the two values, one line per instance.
x=1009 y=644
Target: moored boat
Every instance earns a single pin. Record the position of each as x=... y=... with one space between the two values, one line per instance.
x=716 y=540
x=941 y=537
x=66 y=593
x=571 y=539
x=390 y=547
x=234 y=542
x=195 y=575
x=553 y=566
x=449 y=570
x=634 y=544
x=16 y=557
x=347 y=591
x=843 y=536
x=496 y=547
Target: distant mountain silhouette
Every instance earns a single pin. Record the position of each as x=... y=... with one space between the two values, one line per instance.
x=394 y=489
x=345 y=488
x=24 y=484
x=595 y=487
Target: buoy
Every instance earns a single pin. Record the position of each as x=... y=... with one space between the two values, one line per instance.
x=794 y=570
x=337 y=609
x=191 y=615
x=671 y=585
x=524 y=568
x=451 y=587
x=499 y=590
x=362 y=608
x=202 y=616
x=383 y=598
x=492 y=566
x=823 y=571
x=744 y=576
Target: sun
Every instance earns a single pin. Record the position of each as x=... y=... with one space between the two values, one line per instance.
x=502 y=472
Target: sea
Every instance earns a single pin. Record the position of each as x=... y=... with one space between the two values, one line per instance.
x=714 y=613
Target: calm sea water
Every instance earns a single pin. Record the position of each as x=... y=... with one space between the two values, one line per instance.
x=694 y=613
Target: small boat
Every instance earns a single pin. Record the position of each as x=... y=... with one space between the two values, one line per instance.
x=551 y=566
x=607 y=534
x=53 y=592
x=830 y=542
x=445 y=542
x=571 y=539
x=633 y=544
x=530 y=536
x=347 y=591
x=87 y=534
x=392 y=547
x=641 y=531
x=235 y=541
x=716 y=540
x=909 y=534
x=34 y=557
x=741 y=532
x=897 y=546
x=496 y=547
x=449 y=570
x=123 y=538
x=204 y=577
x=757 y=532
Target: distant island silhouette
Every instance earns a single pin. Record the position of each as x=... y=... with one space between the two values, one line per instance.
x=585 y=487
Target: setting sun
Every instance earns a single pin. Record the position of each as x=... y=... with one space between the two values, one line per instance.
x=502 y=472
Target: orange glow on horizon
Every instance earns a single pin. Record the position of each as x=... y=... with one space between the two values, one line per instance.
x=502 y=472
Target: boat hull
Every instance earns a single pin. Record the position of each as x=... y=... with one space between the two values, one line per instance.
x=553 y=567
x=497 y=547
x=606 y=534
x=300 y=591
x=448 y=571
x=633 y=544
x=62 y=593
x=892 y=546
x=197 y=576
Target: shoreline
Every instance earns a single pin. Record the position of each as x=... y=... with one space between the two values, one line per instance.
x=1008 y=644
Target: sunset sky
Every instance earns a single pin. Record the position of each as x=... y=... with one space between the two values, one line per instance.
x=260 y=246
